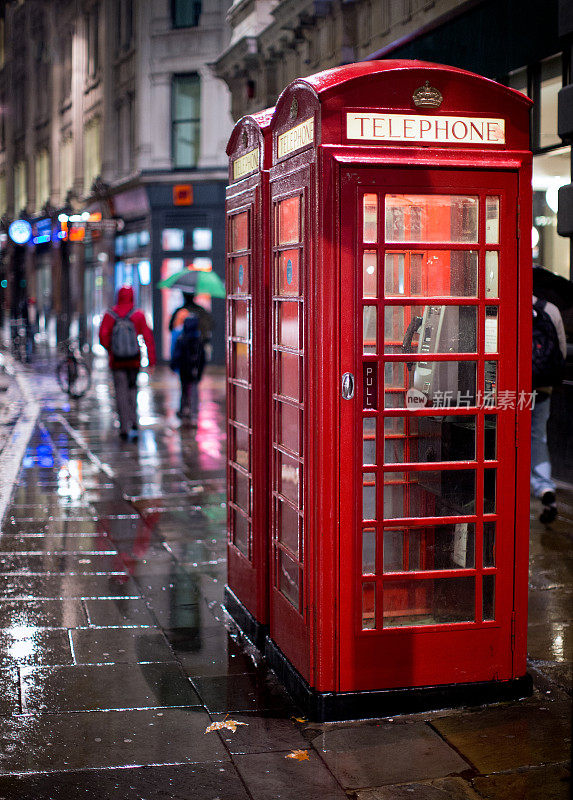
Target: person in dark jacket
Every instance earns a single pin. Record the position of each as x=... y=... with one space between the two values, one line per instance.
x=189 y=361
x=206 y=322
x=125 y=370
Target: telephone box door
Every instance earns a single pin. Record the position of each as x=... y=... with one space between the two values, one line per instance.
x=427 y=469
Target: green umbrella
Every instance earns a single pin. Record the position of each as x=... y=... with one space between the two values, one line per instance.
x=195 y=282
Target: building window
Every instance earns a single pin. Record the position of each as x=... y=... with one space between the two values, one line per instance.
x=92 y=153
x=66 y=74
x=125 y=131
x=124 y=24
x=66 y=167
x=186 y=119
x=42 y=176
x=20 y=187
x=92 y=38
x=3 y=195
x=551 y=161
x=185 y=13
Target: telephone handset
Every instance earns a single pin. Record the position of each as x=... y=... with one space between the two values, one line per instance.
x=438 y=333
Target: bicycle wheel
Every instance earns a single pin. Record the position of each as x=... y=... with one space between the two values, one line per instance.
x=73 y=377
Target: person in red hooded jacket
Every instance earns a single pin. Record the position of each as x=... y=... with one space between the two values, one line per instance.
x=125 y=370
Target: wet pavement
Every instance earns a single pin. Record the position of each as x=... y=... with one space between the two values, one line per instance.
x=116 y=653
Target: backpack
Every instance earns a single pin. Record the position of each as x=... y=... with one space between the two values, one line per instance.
x=124 y=344
x=190 y=351
x=547 y=359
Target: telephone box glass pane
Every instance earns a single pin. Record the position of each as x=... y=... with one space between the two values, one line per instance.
x=437 y=547
x=288 y=326
x=490 y=434
x=369 y=495
x=288 y=426
x=394 y=425
x=396 y=375
x=240 y=312
x=368 y=551
x=431 y=329
x=288 y=527
x=288 y=578
x=491 y=273
x=288 y=277
x=241 y=361
x=241 y=491
x=369 y=329
x=289 y=477
x=431 y=273
x=431 y=218
x=289 y=220
x=443 y=384
x=370 y=218
x=429 y=494
x=490 y=383
x=488 y=597
x=491 y=330
x=240 y=275
x=240 y=231
x=370 y=274
x=489 y=544
x=241 y=532
x=241 y=404
x=368 y=606
x=492 y=220
x=432 y=601
x=369 y=440
x=240 y=444
x=489 y=500
x=288 y=374
x=437 y=438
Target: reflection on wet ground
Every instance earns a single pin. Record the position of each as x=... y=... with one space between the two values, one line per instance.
x=115 y=652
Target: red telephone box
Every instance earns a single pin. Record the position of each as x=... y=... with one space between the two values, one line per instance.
x=248 y=348
x=400 y=374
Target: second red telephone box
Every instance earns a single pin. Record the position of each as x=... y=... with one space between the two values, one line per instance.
x=399 y=377
x=248 y=347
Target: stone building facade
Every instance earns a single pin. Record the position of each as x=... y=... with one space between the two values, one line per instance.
x=111 y=113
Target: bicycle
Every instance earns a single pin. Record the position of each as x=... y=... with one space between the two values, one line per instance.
x=72 y=372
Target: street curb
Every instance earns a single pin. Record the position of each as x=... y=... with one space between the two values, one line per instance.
x=13 y=452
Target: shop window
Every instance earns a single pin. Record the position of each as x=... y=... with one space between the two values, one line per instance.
x=186 y=118
x=185 y=13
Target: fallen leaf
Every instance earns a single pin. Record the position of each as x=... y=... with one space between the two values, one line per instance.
x=299 y=755
x=300 y=719
x=229 y=724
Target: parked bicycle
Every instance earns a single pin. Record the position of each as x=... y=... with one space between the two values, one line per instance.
x=72 y=372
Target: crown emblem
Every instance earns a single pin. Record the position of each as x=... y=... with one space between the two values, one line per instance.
x=245 y=139
x=427 y=96
x=294 y=108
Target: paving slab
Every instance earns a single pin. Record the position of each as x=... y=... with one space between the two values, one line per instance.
x=258 y=691
x=365 y=755
x=67 y=612
x=262 y=732
x=272 y=775
x=528 y=733
x=105 y=686
x=123 y=612
x=27 y=646
x=120 y=645
x=544 y=783
x=91 y=739
x=441 y=789
x=54 y=587
x=220 y=780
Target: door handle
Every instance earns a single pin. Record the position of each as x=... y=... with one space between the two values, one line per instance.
x=348 y=386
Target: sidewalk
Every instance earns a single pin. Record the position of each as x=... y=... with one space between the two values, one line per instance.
x=116 y=653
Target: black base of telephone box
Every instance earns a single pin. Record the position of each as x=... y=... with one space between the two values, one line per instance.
x=337 y=706
x=253 y=630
